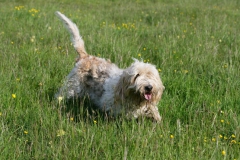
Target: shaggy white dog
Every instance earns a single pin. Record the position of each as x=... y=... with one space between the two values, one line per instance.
x=134 y=91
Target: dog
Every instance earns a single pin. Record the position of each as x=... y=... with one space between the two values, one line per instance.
x=134 y=92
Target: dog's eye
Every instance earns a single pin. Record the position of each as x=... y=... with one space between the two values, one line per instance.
x=136 y=76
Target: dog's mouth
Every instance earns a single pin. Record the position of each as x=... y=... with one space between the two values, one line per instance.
x=148 y=95
x=148 y=92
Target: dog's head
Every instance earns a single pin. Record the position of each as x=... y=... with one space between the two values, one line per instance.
x=142 y=80
x=140 y=84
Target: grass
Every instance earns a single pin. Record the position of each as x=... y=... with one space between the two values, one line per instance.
x=194 y=44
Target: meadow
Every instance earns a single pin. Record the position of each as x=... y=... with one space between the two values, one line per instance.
x=194 y=45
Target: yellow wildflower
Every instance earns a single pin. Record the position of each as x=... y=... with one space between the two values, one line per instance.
x=223 y=153
x=205 y=139
x=25 y=132
x=19 y=7
x=225 y=66
x=60 y=132
x=124 y=25
x=233 y=141
x=95 y=122
x=33 y=10
x=32 y=39
x=171 y=136
x=213 y=139
x=71 y=119
x=14 y=96
x=60 y=99
x=50 y=143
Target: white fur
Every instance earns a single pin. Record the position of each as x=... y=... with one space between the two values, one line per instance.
x=73 y=29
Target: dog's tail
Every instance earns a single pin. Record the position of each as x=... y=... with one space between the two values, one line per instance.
x=77 y=40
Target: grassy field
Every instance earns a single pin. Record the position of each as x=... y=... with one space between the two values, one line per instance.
x=194 y=44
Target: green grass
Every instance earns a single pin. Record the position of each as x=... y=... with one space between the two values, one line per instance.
x=195 y=44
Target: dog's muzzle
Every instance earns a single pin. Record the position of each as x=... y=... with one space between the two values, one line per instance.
x=148 y=92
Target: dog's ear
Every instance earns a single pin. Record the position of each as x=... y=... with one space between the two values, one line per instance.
x=159 y=93
x=122 y=87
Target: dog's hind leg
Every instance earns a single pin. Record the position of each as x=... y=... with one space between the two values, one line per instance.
x=71 y=88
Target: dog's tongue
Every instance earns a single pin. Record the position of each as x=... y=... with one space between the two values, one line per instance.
x=148 y=96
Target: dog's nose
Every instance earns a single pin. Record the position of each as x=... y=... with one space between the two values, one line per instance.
x=148 y=88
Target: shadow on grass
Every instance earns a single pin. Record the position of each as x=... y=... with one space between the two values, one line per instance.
x=83 y=110
x=79 y=109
